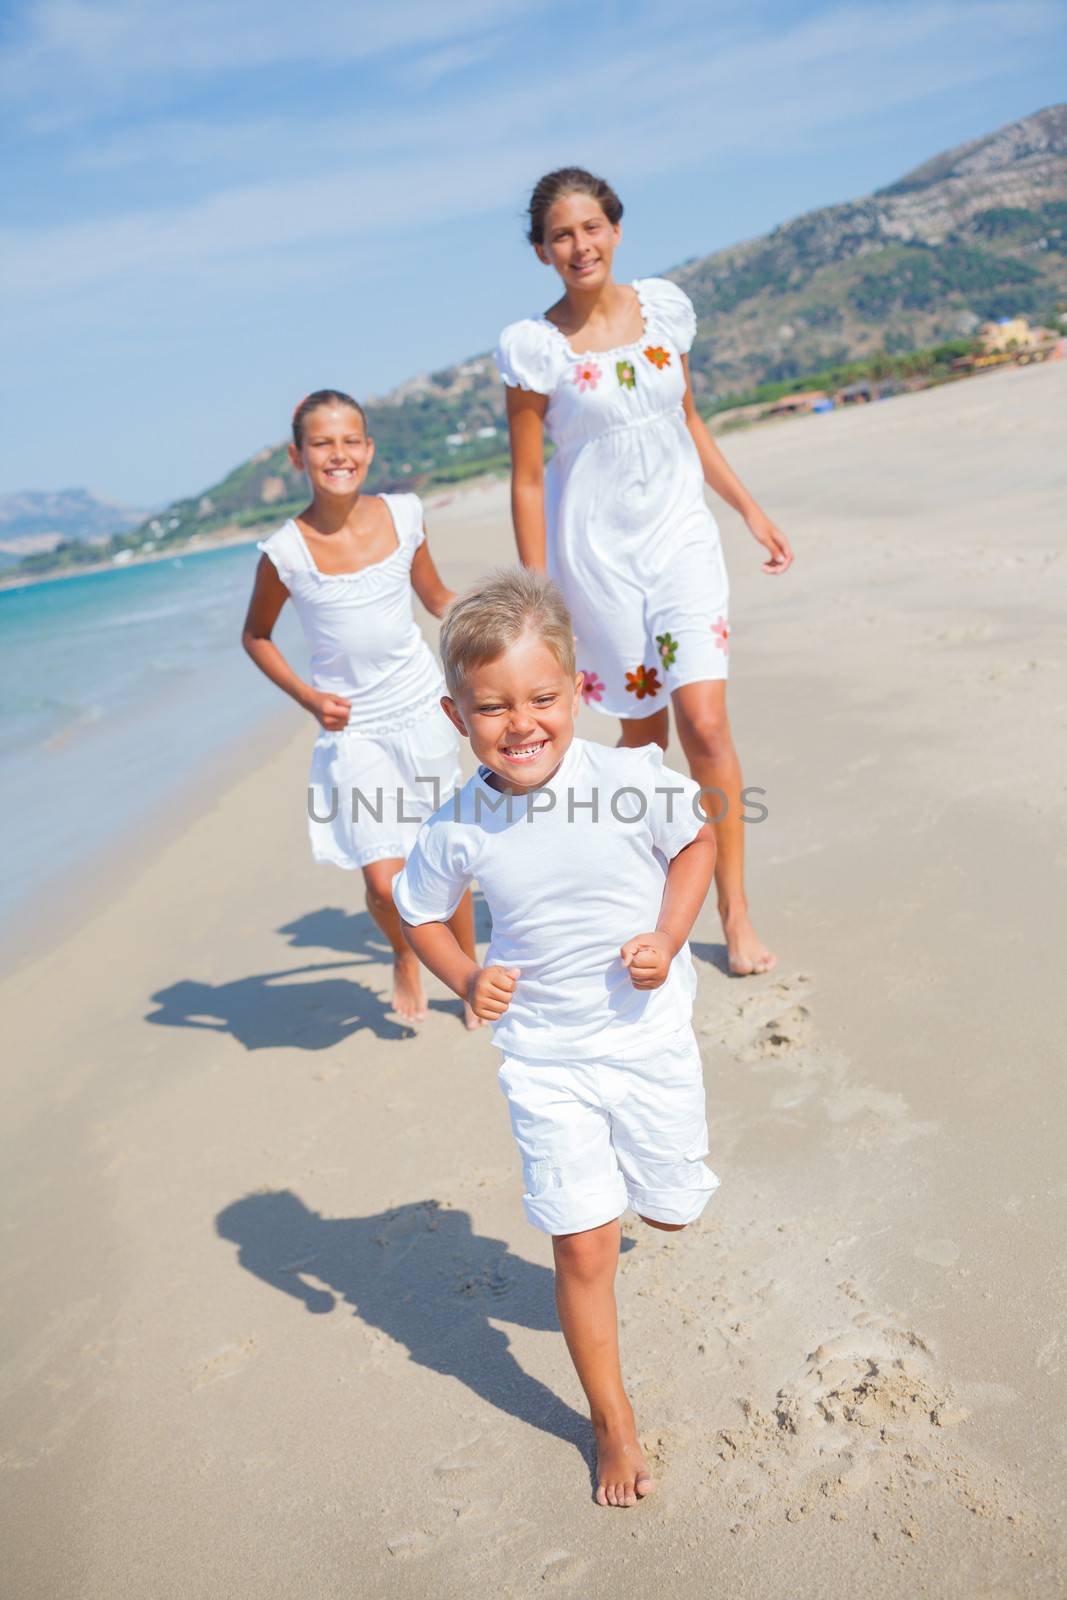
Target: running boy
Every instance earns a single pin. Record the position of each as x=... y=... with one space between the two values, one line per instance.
x=594 y=863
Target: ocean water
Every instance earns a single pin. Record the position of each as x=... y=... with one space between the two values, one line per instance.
x=116 y=689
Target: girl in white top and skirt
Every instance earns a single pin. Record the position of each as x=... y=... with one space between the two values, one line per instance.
x=387 y=756
x=619 y=518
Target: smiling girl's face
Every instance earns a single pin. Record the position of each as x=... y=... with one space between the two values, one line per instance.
x=336 y=451
x=579 y=242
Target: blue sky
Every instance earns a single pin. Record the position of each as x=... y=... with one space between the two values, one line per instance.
x=210 y=209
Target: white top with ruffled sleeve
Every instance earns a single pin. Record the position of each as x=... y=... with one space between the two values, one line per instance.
x=625 y=485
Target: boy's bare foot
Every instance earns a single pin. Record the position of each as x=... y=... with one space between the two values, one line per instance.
x=622 y=1478
x=745 y=950
x=409 y=998
x=470 y=1021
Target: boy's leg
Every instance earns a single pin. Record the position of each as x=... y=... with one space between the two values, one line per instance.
x=585 y=1299
x=409 y=997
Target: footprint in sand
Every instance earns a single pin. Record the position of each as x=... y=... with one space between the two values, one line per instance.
x=479 y=1454
x=414 y=1543
x=862 y=1433
x=769 y=1021
x=561 y=1568
x=780 y=1036
x=490 y=1281
x=225 y=1363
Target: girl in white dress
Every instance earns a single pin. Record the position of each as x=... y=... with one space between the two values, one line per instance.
x=387 y=755
x=619 y=517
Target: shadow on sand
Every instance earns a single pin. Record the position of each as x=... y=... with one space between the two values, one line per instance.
x=423 y=1277
x=269 y=1009
x=289 y=1006
x=714 y=954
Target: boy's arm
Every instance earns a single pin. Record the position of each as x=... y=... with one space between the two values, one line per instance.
x=689 y=874
x=487 y=990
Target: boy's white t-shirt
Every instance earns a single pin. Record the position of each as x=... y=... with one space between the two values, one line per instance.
x=565 y=890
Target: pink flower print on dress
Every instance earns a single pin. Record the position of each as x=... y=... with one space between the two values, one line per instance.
x=721 y=629
x=587 y=375
x=592 y=687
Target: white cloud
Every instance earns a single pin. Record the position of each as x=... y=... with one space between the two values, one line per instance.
x=647 y=106
x=99 y=46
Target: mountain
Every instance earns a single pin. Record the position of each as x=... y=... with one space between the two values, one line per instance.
x=975 y=233
x=38 y=521
x=978 y=232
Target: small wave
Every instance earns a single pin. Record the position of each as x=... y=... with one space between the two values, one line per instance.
x=86 y=716
x=129 y=619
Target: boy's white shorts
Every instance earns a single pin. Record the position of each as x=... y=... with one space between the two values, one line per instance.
x=599 y=1136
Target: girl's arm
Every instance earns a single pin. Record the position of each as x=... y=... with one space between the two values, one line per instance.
x=689 y=875
x=487 y=990
x=526 y=412
x=723 y=480
x=269 y=594
x=427 y=584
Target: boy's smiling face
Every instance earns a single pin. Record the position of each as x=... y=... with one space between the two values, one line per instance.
x=518 y=713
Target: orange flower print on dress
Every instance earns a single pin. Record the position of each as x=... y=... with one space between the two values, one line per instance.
x=721 y=629
x=643 y=681
x=592 y=687
x=586 y=375
x=659 y=357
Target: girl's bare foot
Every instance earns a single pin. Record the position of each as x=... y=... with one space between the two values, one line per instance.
x=470 y=1021
x=746 y=951
x=409 y=998
x=622 y=1478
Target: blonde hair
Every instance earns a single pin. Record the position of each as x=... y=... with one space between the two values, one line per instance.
x=482 y=623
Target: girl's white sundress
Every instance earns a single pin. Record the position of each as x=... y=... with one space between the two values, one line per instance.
x=372 y=784
x=631 y=541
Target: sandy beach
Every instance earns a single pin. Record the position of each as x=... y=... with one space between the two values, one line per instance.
x=275 y=1322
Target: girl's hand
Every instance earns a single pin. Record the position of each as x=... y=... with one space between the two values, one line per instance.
x=329 y=710
x=648 y=957
x=490 y=990
x=773 y=541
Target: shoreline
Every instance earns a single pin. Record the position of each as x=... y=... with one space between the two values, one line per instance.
x=66 y=901
x=230 y=537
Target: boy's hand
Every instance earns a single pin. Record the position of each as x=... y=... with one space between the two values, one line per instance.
x=490 y=991
x=648 y=959
x=329 y=710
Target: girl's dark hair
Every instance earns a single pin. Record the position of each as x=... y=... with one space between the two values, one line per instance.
x=569 y=180
x=312 y=402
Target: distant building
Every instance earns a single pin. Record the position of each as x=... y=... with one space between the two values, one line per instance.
x=1012 y=333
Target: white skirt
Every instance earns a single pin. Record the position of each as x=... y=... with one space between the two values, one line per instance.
x=370 y=790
